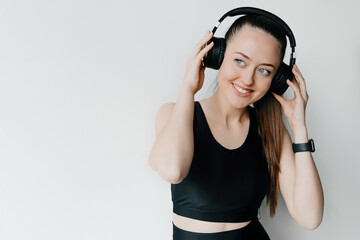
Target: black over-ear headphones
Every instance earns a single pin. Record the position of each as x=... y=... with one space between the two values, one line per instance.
x=215 y=56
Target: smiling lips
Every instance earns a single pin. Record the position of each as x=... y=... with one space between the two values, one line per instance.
x=241 y=92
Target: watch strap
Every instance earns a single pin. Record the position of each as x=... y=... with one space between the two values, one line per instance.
x=304 y=147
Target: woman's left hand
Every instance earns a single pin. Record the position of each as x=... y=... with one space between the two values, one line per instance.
x=294 y=109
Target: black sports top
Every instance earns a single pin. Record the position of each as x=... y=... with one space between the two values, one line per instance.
x=223 y=185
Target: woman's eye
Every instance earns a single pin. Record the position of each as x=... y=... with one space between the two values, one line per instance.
x=264 y=71
x=240 y=62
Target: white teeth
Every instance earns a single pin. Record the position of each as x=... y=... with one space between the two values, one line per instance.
x=241 y=90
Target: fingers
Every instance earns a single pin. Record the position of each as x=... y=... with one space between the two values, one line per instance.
x=200 y=45
x=295 y=86
x=300 y=82
x=203 y=52
x=280 y=99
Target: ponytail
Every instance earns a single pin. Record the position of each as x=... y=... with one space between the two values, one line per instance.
x=271 y=127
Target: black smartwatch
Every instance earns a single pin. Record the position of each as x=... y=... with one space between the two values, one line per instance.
x=304 y=147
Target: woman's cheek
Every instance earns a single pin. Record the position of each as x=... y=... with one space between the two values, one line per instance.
x=228 y=74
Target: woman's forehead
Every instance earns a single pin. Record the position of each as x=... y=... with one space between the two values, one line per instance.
x=255 y=43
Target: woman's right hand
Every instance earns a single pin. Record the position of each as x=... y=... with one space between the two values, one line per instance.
x=194 y=75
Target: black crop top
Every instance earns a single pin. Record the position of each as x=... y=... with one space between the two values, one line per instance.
x=223 y=185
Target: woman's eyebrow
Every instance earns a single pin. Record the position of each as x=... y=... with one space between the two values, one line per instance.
x=245 y=56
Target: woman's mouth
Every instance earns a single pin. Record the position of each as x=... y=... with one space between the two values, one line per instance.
x=242 y=92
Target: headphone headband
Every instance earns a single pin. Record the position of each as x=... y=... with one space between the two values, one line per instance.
x=273 y=17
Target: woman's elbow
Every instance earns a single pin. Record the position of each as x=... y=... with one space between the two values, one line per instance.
x=170 y=175
x=173 y=178
x=312 y=224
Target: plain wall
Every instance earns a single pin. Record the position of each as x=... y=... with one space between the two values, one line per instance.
x=80 y=84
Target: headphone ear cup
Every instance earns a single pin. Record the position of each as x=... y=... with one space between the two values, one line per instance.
x=215 y=55
x=278 y=84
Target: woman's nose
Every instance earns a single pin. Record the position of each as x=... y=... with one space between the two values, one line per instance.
x=248 y=76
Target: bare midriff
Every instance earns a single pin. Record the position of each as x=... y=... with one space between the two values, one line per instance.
x=194 y=225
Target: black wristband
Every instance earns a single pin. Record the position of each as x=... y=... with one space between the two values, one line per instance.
x=304 y=147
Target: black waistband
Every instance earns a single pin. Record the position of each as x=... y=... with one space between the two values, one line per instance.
x=253 y=230
x=233 y=216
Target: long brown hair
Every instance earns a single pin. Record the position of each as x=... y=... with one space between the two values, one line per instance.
x=268 y=109
x=271 y=128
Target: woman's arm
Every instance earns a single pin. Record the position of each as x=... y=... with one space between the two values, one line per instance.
x=300 y=185
x=299 y=180
x=173 y=149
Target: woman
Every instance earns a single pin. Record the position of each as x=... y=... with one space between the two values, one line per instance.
x=223 y=156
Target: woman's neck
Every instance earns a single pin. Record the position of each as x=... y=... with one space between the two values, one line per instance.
x=224 y=111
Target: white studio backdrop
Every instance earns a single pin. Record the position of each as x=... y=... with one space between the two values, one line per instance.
x=80 y=84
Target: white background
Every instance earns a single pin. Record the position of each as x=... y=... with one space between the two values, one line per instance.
x=80 y=84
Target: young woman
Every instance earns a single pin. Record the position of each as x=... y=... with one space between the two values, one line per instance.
x=223 y=154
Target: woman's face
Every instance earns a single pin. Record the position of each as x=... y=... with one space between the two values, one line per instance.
x=251 y=59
